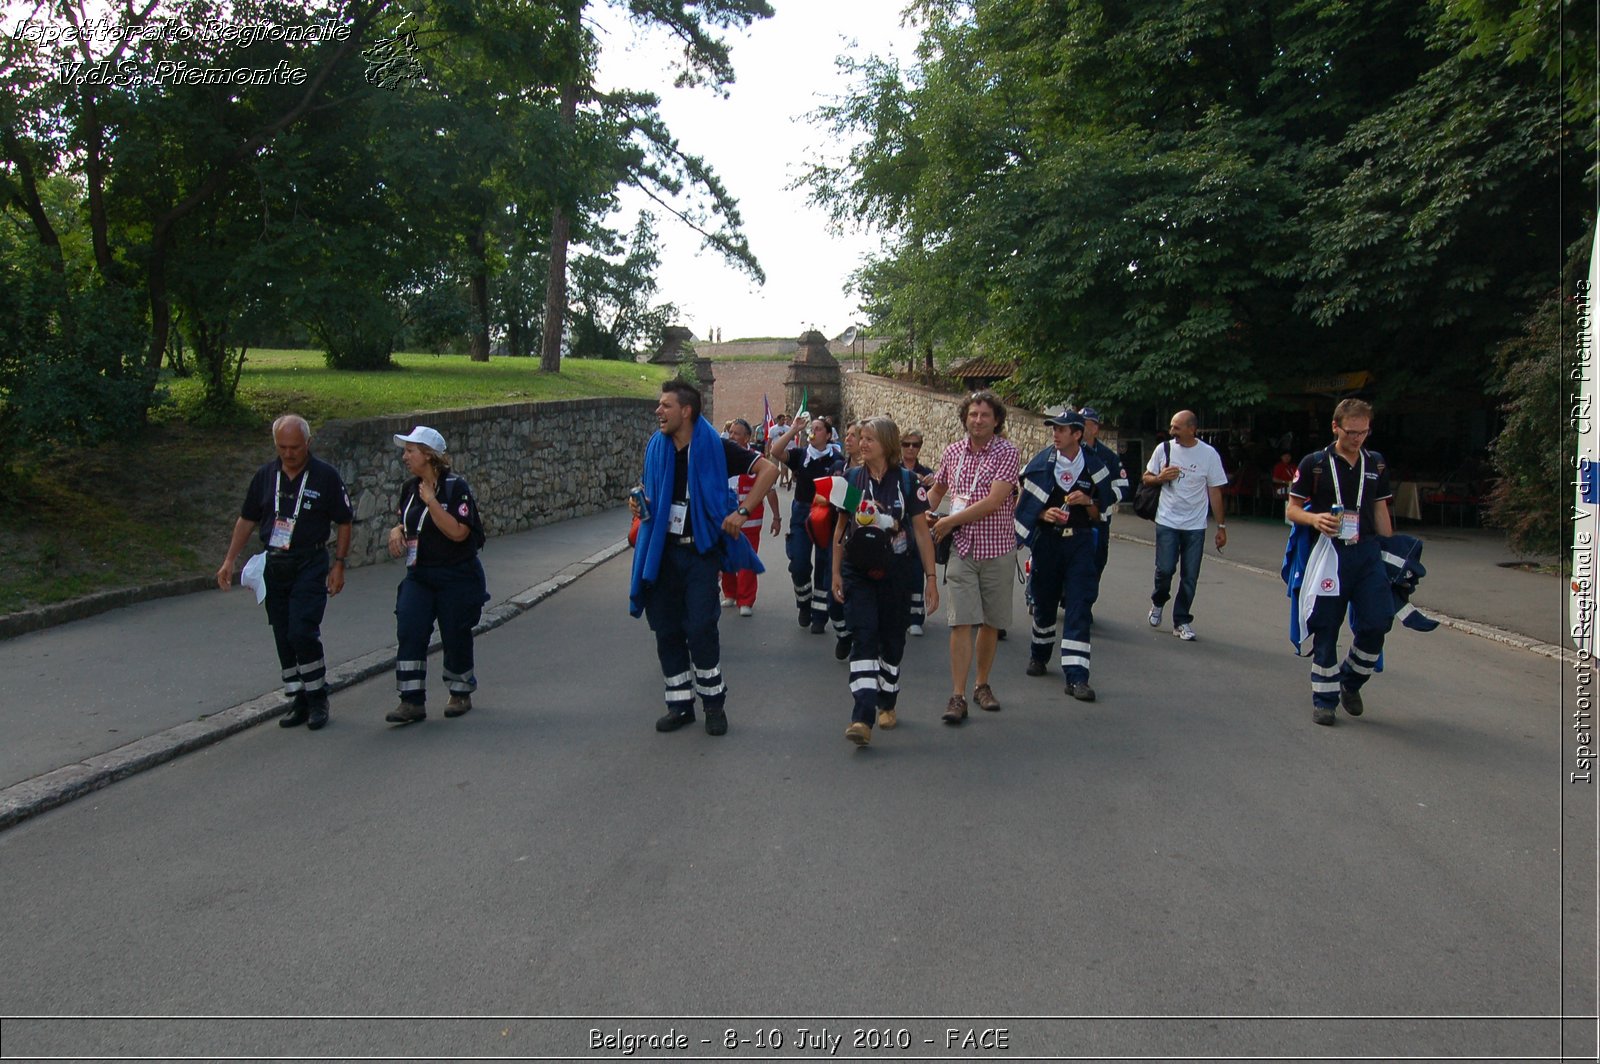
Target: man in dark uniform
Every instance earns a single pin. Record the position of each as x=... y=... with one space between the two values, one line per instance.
x=1064 y=489
x=296 y=500
x=689 y=536
x=1343 y=492
x=1119 y=488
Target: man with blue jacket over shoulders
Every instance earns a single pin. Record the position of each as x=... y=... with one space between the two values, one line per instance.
x=689 y=534
x=1064 y=490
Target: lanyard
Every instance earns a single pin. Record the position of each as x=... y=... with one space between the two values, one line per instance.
x=1361 y=480
x=977 y=466
x=417 y=497
x=277 y=492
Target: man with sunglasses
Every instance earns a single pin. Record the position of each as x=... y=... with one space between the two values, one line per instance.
x=1343 y=492
x=911 y=458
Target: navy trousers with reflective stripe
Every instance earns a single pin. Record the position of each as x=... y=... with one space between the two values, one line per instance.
x=1363 y=585
x=297 y=596
x=810 y=569
x=877 y=613
x=683 y=608
x=454 y=596
x=1064 y=572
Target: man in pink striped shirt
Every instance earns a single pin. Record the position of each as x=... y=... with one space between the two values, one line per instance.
x=979 y=473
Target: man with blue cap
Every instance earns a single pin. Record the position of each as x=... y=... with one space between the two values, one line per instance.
x=1065 y=488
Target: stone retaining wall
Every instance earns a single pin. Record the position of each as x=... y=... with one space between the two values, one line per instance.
x=933 y=413
x=530 y=464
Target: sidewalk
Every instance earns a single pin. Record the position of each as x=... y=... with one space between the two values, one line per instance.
x=1467 y=578
x=98 y=699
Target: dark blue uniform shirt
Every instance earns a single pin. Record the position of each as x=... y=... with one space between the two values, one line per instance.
x=433 y=546
x=1313 y=483
x=324 y=504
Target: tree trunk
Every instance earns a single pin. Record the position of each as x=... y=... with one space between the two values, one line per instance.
x=555 y=293
x=477 y=243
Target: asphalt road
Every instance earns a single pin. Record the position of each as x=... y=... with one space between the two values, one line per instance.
x=1187 y=867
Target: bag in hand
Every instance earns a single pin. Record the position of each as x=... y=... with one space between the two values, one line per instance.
x=1148 y=498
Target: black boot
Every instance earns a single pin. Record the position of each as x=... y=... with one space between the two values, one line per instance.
x=298 y=713
x=319 y=711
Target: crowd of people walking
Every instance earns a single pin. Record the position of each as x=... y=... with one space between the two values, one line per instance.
x=869 y=526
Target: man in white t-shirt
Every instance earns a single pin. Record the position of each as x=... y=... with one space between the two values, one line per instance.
x=1191 y=480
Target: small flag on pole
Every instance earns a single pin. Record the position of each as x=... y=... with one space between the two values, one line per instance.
x=838 y=492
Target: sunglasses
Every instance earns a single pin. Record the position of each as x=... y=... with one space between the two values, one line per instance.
x=911 y=443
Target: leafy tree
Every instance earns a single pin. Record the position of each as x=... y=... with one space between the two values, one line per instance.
x=1534 y=373
x=639 y=148
x=612 y=313
x=1152 y=202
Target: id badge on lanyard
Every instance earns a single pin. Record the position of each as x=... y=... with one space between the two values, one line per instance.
x=411 y=540
x=1349 y=517
x=282 y=533
x=283 y=527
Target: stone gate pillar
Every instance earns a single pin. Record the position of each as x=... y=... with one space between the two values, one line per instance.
x=814 y=373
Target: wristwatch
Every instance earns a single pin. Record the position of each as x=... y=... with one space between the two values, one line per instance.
x=742 y=512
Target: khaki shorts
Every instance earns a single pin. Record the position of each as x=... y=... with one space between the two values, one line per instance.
x=979 y=592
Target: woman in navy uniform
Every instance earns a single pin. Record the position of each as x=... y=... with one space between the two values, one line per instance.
x=877 y=604
x=808 y=560
x=439 y=535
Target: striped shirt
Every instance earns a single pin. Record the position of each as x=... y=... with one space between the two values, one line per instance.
x=967 y=476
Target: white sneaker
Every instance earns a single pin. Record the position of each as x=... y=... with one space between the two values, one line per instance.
x=1155 y=616
x=728 y=602
x=745 y=611
x=915 y=629
x=1183 y=632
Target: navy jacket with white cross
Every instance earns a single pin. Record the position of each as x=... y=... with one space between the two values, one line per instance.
x=1042 y=489
x=323 y=504
x=433 y=546
x=1314 y=483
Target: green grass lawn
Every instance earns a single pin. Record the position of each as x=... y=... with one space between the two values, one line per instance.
x=275 y=381
x=159 y=507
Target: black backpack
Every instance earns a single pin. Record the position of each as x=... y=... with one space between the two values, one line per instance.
x=1148 y=498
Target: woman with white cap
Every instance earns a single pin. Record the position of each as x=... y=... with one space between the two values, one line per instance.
x=439 y=535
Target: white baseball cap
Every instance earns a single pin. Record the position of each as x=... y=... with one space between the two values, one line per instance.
x=424 y=435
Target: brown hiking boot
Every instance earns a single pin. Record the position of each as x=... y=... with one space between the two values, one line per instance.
x=985 y=698
x=459 y=704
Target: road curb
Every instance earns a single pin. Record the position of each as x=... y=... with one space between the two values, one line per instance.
x=1477 y=628
x=32 y=796
x=41 y=617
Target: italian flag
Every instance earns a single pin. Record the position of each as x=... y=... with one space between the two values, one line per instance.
x=839 y=493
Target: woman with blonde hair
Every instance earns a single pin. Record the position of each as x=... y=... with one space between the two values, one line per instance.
x=882 y=552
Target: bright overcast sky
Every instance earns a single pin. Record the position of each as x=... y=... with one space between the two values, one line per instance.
x=756 y=140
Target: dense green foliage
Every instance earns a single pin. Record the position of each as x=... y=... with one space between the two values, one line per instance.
x=412 y=173
x=1189 y=202
x=1536 y=373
